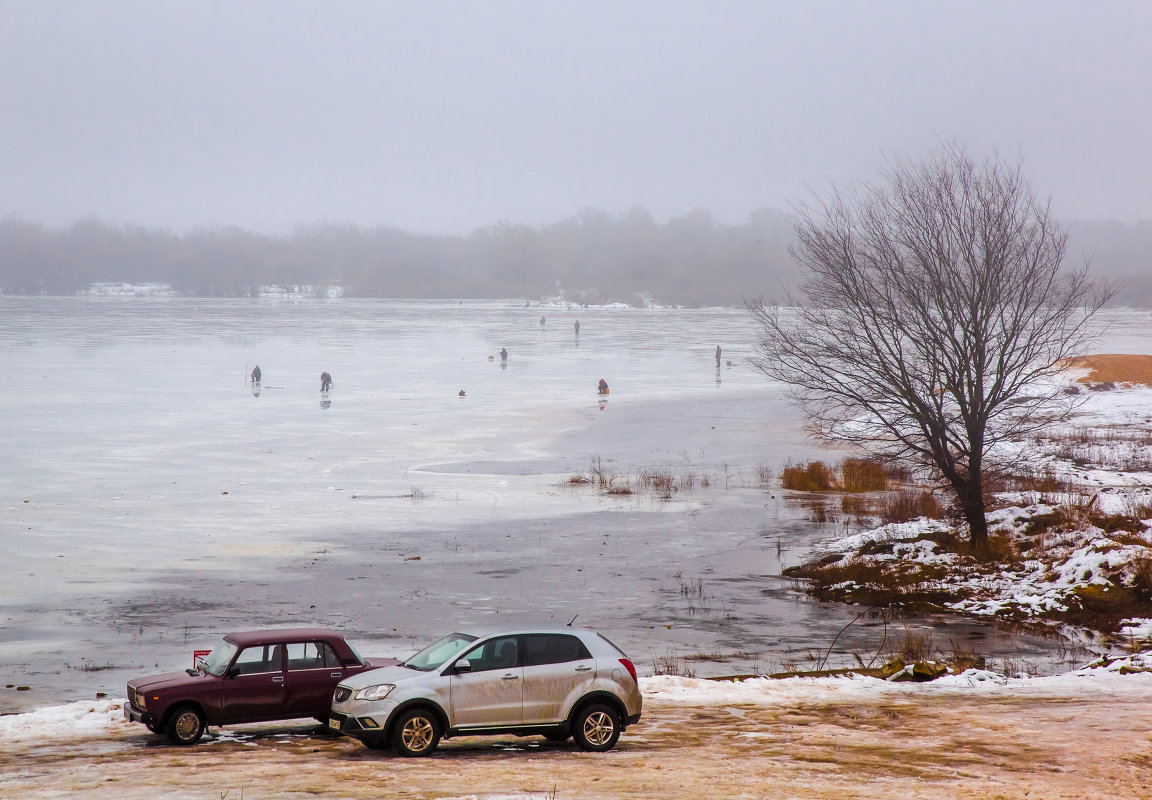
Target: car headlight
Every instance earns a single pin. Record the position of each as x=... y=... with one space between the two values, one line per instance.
x=378 y=692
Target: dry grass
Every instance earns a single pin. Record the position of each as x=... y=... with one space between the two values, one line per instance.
x=915 y=645
x=672 y=665
x=662 y=481
x=1113 y=368
x=907 y=505
x=874 y=583
x=851 y=475
x=764 y=475
x=862 y=475
x=812 y=476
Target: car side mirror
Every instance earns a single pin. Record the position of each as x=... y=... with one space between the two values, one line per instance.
x=235 y=671
x=463 y=665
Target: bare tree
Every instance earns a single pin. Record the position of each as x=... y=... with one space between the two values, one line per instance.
x=935 y=319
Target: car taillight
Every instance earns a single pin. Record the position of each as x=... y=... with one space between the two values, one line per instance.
x=628 y=665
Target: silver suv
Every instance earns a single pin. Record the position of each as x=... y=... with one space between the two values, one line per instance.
x=552 y=682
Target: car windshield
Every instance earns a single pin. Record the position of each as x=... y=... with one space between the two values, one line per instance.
x=355 y=652
x=438 y=652
x=219 y=659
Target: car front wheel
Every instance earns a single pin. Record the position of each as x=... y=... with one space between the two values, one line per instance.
x=596 y=728
x=185 y=726
x=416 y=733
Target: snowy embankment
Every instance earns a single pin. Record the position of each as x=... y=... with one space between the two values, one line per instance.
x=1078 y=550
x=1127 y=677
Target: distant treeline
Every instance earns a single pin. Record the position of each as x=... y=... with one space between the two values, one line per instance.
x=592 y=257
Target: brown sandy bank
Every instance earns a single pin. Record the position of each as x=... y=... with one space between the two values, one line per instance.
x=1114 y=368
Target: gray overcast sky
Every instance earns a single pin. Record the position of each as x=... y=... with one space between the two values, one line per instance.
x=448 y=116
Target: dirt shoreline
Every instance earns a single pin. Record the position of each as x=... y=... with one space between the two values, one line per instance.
x=915 y=745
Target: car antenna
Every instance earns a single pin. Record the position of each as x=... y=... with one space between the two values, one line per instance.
x=571 y=621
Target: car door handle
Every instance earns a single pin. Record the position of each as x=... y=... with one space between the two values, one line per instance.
x=510 y=677
x=278 y=679
x=583 y=668
x=334 y=675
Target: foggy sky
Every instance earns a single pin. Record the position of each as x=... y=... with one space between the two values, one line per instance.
x=448 y=116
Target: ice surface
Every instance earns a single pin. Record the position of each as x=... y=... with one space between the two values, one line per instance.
x=150 y=501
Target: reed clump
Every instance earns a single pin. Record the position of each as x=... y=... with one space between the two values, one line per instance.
x=812 y=476
x=907 y=505
x=862 y=475
x=850 y=475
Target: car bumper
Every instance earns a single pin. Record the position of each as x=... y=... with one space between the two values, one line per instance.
x=361 y=718
x=133 y=714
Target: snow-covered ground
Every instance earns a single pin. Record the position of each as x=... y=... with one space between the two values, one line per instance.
x=1103 y=458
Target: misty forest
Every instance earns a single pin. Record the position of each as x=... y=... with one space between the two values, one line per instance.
x=592 y=257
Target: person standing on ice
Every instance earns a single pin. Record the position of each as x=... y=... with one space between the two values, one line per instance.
x=577 y=327
x=256 y=374
x=325 y=381
x=717 y=355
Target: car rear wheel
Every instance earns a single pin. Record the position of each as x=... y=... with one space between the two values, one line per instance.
x=596 y=728
x=185 y=726
x=416 y=733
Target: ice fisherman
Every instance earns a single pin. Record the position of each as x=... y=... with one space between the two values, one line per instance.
x=717 y=355
x=256 y=374
x=603 y=387
x=503 y=353
x=325 y=381
x=577 y=327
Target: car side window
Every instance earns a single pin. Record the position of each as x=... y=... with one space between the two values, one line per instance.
x=553 y=649
x=260 y=658
x=312 y=655
x=499 y=653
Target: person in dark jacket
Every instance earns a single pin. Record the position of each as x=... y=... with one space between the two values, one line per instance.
x=325 y=381
x=256 y=374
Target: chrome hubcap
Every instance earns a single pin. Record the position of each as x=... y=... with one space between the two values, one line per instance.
x=417 y=734
x=598 y=728
x=187 y=725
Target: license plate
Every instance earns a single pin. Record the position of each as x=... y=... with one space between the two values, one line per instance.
x=334 y=723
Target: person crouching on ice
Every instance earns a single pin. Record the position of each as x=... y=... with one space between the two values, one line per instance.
x=325 y=381
x=603 y=388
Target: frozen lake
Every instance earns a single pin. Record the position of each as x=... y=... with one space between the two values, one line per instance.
x=150 y=500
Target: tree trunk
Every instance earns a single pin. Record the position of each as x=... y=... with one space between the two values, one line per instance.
x=971 y=499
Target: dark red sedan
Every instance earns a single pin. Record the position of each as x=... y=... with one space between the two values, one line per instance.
x=253 y=676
